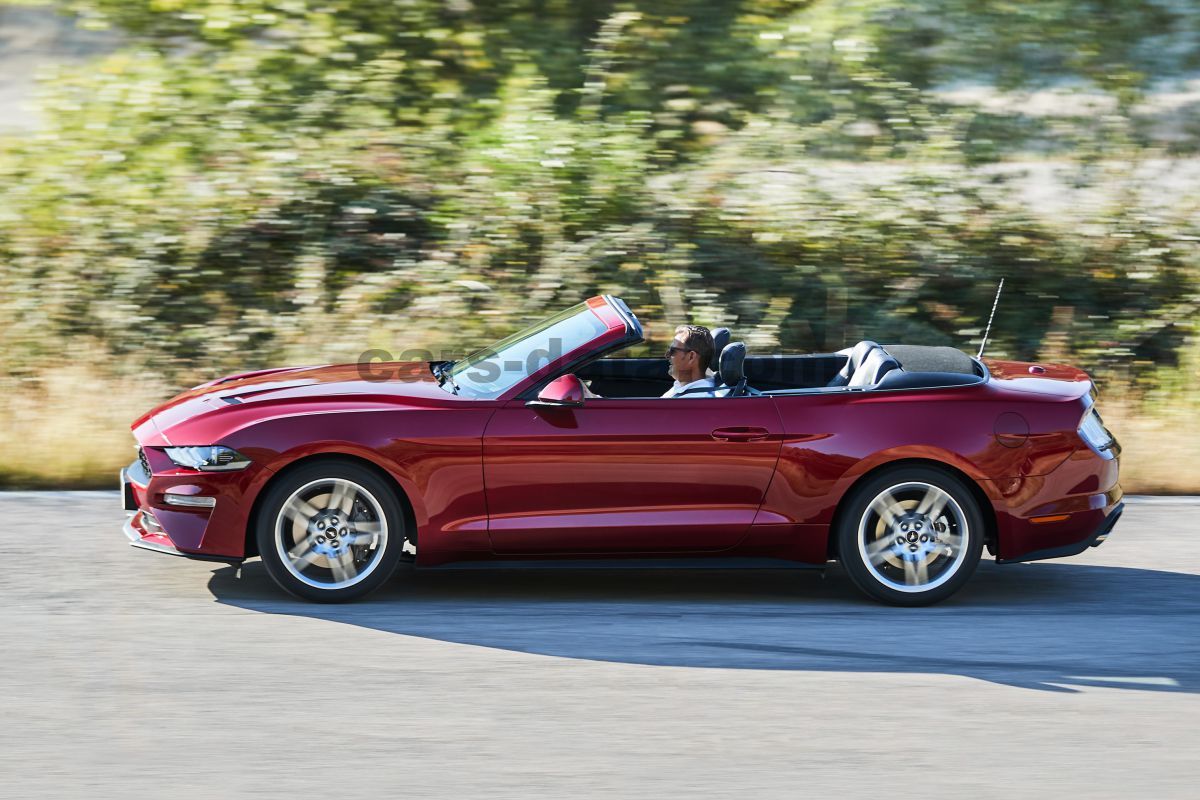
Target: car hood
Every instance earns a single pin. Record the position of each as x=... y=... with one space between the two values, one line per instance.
x=205 y=413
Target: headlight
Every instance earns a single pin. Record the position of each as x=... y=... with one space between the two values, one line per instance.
x=1092 y=431
x=214 y=458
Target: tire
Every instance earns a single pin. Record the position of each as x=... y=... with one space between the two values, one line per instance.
x=330 y=531
x=910 y=536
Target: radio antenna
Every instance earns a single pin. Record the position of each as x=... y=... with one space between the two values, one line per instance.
x=988 y=329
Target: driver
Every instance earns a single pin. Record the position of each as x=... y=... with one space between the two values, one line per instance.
x=689 y=355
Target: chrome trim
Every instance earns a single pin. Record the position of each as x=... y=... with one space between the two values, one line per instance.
x=151 y=523
x=554 y=404
x=142 y=544
x=135 y=540
x=131 y=531
x=632 y=323
x=189 y=500
x=135 y=474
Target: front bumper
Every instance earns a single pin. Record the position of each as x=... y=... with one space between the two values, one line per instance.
x=145 y=530
x=138 y=536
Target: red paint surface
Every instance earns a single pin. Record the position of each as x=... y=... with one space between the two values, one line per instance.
x=638 y=475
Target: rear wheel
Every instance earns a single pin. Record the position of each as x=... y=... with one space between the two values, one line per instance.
x=911 y=536
x=330 y=531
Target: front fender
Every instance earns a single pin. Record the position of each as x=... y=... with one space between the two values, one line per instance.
x=434 y=455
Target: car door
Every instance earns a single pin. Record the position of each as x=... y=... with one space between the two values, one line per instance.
x=631 y=475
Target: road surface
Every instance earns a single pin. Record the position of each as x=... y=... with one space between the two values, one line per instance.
x=125 y=673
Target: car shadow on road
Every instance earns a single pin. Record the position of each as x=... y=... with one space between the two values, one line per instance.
x=1051 y=627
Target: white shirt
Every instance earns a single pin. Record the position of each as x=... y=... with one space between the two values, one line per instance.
x=705 y=382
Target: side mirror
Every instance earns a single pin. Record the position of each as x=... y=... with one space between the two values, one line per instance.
x=564 y=391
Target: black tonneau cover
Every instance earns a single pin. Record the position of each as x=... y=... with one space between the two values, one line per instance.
x=924 y=358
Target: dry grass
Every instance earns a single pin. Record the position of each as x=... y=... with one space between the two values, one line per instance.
x=70 y=429
x=1160 y=447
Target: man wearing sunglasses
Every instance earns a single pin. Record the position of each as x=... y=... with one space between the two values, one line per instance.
x=689 y=355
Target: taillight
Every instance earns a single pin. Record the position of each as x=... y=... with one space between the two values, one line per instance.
x=1098 y=437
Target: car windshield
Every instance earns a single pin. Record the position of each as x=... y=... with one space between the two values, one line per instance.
x=490 y=372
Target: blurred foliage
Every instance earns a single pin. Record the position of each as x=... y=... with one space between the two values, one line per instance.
x=255 y=182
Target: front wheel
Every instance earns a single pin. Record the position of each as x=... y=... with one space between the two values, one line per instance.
x=911 y=536
x=330 y=531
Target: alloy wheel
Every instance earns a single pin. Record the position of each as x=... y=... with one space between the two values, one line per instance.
x=331 y=533
x=913 y=537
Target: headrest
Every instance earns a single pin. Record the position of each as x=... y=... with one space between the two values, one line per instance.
x=857 y=354
x=877 y=364
x=731 y=363
x=720 y=339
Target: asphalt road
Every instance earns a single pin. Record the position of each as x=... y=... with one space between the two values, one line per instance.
x=130 y=674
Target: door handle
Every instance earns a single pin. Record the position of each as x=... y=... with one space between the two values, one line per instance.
x=741 y=434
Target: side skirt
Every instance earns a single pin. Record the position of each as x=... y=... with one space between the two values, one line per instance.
x=628 y=564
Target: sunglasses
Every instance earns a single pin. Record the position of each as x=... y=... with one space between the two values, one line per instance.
x=672 y=350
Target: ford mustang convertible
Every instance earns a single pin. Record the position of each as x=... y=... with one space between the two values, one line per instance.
x=901 y=462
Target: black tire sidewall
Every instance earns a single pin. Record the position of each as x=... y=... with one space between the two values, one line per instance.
x=856 y=506
x=283 y=487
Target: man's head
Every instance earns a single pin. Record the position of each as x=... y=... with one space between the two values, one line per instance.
x=690 y=353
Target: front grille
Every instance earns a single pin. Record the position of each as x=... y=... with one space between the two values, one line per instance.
x=145 y=462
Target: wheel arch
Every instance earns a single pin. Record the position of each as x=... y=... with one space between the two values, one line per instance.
x=410 y=519
x=985 y=504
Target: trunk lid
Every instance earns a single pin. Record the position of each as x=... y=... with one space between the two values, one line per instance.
x=1058 y=380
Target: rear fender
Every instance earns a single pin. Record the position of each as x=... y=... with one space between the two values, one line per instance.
x=917 y=453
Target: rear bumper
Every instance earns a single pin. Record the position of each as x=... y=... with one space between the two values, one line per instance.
x=1075 y=548
x=1057 y=514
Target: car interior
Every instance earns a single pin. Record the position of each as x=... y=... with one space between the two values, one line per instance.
x=865 y=366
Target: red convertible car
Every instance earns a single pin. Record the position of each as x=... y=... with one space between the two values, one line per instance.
x=901 y=462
